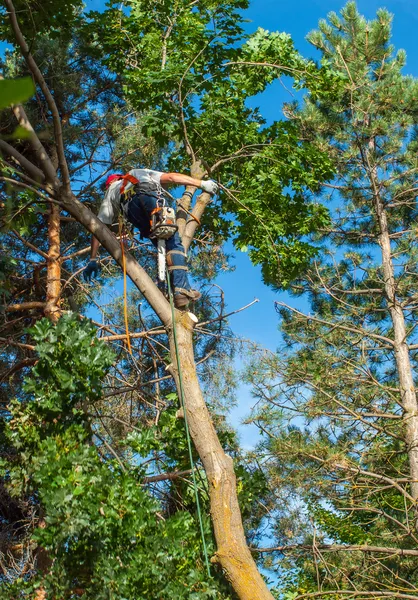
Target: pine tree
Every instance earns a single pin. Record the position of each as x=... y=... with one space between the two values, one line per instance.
x=347 y=366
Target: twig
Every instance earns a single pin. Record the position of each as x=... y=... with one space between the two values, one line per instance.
x=234 y=312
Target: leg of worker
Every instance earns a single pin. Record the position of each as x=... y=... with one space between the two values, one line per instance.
x=138 y=213
x=177 y=263
x=139 y=210
x=177 y=266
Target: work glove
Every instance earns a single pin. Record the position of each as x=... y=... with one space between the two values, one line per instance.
x=209 y=186
x=91 y=271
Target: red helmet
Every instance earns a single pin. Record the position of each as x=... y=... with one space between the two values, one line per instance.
x=112 y=178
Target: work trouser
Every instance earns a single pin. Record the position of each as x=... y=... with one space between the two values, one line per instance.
x=138 y=212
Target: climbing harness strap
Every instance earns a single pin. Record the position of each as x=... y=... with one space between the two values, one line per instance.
x=171 y=263
x=177 y=268
x=125 y=179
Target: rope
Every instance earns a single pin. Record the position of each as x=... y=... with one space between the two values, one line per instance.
x=125 y=301
x=194 y=218
x=189 y=443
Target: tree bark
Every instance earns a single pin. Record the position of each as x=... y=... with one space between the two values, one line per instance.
x=232 y=552
x=53 y=278
x=401 y=349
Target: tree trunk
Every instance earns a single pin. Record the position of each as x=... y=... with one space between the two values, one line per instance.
x=402 y=358
x=53 y=284
x=232 y=552
x=52 y=311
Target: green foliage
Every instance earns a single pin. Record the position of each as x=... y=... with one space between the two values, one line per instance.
x=55 y=17
x=7 y=266
x=189 y=73
x=103 y=528
x=15 y=91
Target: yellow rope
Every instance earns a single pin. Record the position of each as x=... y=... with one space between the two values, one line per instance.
x=125 y=301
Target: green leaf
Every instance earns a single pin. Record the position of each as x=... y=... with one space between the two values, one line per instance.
x=14 y=91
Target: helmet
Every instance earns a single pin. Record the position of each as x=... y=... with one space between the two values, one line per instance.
x=112 y=178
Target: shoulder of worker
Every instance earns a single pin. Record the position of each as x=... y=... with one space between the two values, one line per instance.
x=146 y=174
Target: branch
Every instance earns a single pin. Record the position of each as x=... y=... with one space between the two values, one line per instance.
x=339 y=548
x=27 y=362
x=23 y=306
x=202 y=201
x=30 y=246
x=10 y=342
x=40 y=152
x=32 y=169
x=166 y=476
x=49 y=98
x=137 y=274
x=123 y=336
x=362 y=332
x=25 y=186
x=222 y=317
x=263 y=64
x=376 y=594
x=358 y=471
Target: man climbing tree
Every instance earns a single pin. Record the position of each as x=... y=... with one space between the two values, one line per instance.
x=138 y=195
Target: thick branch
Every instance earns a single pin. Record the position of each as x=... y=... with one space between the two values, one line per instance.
x=23 y=306
x=40 y=152
x=197 y=213
x=28 y=166
x=137 y=274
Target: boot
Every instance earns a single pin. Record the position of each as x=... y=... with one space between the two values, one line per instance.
x=182 y=297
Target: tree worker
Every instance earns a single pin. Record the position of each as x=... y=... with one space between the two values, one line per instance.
x=136 y=195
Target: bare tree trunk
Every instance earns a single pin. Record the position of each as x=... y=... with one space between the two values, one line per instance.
x=53 y=285
x=402 y=358
x=232 y=552
x=52 y=312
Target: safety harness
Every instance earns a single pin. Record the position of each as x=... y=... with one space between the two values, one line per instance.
x=162 y=222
